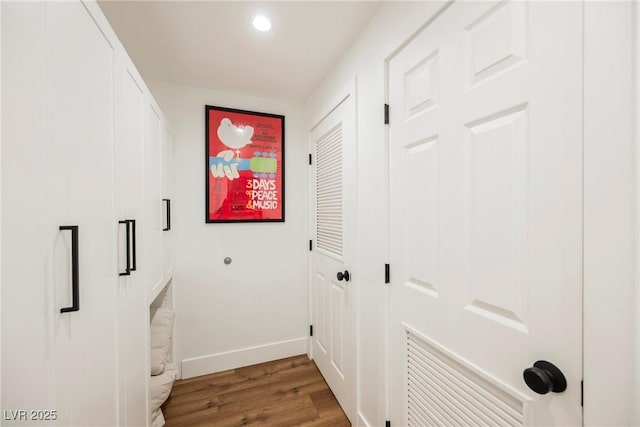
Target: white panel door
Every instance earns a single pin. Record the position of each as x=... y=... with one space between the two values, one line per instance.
x=80 y=110
x=167 y=171
x=486 y=215
x=133 y=310
x=26 y=290
x=333 y=310
x=153 y=201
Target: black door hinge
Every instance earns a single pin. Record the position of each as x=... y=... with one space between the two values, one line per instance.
x=386 y=114
x=387 y=423
x=582 y=393
x=310 y=330
x=310 y=245
x=310 y=157
x=387 y=273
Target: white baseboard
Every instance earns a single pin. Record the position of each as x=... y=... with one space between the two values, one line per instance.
x=242 y=357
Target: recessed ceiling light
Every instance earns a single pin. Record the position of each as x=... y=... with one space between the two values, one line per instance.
x=261 y=23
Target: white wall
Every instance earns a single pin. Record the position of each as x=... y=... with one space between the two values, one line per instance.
x=254 y=309
x=394 y=23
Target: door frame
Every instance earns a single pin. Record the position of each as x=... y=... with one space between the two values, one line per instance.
x=611 y=88
x=1 y=405
x=615 y=228
x=636 y=246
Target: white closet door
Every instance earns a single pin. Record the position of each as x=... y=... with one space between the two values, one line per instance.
x=167 y=171
x=333 y=146
x=80 y=110
x=133 y=311
x=154 y=207
x=26 y=284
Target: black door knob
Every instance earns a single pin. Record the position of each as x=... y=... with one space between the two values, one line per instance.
x=545 y=377
x=344 y=275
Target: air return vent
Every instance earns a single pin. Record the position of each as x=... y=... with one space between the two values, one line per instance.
x=329 y=191
x=444 y=392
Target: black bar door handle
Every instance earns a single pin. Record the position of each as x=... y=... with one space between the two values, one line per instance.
x=75 y=269
x=127 y=271
x=168 y=227
x=134 y=251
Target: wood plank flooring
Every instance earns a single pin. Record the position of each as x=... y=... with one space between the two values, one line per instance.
x=286 y=392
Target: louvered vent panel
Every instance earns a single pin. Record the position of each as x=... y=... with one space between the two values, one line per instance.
x=329 y=191
x=443 y=392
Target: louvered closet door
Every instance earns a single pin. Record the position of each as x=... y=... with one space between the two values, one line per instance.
x=333 y=146
x=486 y=215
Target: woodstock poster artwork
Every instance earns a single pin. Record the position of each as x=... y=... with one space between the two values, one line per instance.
x=244 y=166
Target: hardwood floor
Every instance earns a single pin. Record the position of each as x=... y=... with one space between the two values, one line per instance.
x=287 y=392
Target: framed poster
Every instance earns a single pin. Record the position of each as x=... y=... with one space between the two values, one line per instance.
x=244 y=166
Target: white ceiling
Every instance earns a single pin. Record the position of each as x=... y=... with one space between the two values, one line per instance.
x=212 y=44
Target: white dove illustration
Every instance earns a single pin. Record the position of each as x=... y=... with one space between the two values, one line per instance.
x=233 y=136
